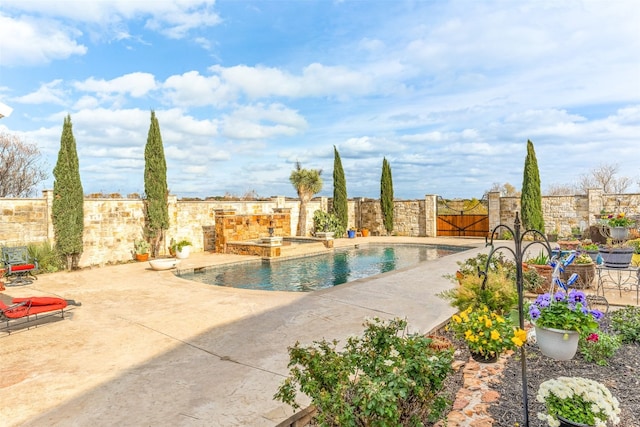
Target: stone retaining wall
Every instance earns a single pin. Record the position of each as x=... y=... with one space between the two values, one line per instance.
x=112 y=225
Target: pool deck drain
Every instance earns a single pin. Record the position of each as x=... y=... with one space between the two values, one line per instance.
x=148 y=348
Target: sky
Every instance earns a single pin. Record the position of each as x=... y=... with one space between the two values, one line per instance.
x=448 y=91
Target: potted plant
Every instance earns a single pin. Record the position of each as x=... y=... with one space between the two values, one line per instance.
x=584 y=267
x=351 y=233
x=182 y=248
x=365 y=232
x=616 y=255
x=577 y=401
x=591 y=249
x=559 y=320
x=498 y=292
x=141 y=249
x=619 y=226
x=635 y=258
x=541 y=265
x=486 y=333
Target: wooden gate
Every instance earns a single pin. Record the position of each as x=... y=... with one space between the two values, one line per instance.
x=462 y=218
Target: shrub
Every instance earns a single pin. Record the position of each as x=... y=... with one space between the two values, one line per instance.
x=599 y=347
x=384 y=378
x=327 y=221
x=499 y=293
x=626 y=323
x=49 y=259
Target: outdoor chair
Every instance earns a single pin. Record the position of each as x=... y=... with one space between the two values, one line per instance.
x=18 y=265
x=23 y=311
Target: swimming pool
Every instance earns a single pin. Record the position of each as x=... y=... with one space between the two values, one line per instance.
x=321 y=271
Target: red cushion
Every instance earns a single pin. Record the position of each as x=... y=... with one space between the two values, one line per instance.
x=22 y=267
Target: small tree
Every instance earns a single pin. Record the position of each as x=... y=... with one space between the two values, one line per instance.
x=386 y=196
x=340 y=204
x=605 y=177
x=20 y=170
x=531 y=196
x=155 y=186
x=67 y=209
x=307 y=182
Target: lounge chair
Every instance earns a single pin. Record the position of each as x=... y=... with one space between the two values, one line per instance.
x=26 y=310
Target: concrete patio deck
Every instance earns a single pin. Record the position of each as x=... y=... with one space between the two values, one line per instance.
x=147 y=348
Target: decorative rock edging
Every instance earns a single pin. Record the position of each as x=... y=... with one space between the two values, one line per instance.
x=470 y=408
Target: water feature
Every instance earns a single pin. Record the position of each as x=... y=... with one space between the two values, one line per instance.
x=321 y=271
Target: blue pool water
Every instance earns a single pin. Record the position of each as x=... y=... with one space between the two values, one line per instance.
x=321 y=271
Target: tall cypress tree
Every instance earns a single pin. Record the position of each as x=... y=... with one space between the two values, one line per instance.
x=531 y=196
x=386 y=196
x=67 y=209
x=155 y=186
x=340 y=204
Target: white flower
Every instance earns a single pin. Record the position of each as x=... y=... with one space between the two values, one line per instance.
x=603 y=405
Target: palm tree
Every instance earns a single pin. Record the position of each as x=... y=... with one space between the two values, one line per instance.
x=307 y=182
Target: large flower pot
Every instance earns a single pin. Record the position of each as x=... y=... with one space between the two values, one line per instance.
x=557 y=343
x=184 y=252
x=619 y=233
x=568 y=423
x=586 y=274
x=351 y=234
x=546 y=271
x=616 y=257
x=142 y=257
x=481 y=358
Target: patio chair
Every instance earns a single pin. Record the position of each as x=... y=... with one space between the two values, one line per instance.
x=18 y=265
x=23 y=311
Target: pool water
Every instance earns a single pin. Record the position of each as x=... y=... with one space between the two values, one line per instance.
x=321 y=271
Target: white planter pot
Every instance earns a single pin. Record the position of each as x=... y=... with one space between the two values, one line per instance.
x=557 y=343
x=619 y=233
x=164 y=263
x=184 y=253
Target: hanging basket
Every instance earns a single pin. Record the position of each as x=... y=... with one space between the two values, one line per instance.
x=616 y=257
x=557 y=344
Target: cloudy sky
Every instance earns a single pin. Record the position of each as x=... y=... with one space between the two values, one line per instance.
x=448 y=91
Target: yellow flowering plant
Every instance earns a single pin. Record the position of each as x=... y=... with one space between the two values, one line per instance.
x=486 y=332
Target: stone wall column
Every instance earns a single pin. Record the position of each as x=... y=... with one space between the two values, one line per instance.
x=279 y=201
x=431 y=215
x=48 y=200
x=494 y=210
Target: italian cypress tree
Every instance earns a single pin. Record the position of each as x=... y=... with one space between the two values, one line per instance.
x=531 y=196
x=155 y=187
x=386 y=196
x=340 y=205
x=67 y=210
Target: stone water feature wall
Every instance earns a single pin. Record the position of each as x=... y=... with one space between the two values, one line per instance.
x=241 y=228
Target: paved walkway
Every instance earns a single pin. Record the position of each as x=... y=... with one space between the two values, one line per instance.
x=147 y=348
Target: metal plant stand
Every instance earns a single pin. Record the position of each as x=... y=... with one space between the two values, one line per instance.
x=518 y=252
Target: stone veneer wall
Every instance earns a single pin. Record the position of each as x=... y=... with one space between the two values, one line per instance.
x=111 y=225
x=562 y=213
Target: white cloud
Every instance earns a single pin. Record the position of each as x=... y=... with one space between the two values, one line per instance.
x=48 y=93
x=260 y=122
x=134 y=84
x=31 y=41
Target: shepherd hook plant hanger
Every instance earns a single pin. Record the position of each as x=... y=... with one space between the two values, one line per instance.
x=518 y=254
